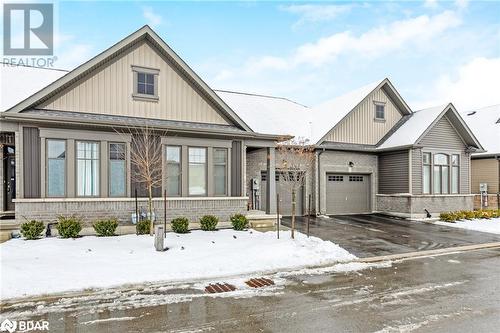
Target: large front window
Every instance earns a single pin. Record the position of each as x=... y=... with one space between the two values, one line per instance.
x=220 y=171
x=455 y=172
x=426 y=177
x=56 y=168
x=117 y=170
x=87 y=173
x=441 y=174
x=173 y=170
x=197 y=173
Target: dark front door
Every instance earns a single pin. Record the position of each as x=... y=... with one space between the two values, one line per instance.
x=9 y=186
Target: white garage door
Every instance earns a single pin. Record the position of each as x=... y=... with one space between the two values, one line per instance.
x=347 y=194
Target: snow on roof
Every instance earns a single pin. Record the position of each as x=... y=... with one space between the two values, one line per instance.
x=326 y=115
x=485 y=123
x=409 y=132
x=275 y=115
x=268 y=114
x=20 y=82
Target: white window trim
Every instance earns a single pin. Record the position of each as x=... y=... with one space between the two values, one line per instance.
x=449 y=153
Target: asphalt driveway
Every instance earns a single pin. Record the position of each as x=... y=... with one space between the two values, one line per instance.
x=375 y=235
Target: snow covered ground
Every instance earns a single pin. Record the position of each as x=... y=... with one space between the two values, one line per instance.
x=484 y=225
x=52 y=265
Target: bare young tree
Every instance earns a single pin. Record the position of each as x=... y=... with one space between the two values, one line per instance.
x=294 y=162
x=146 y=161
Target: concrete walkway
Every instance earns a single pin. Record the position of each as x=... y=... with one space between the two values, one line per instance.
x=378 y=235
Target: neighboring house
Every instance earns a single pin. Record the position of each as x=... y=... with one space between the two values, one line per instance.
x=373 y=153
x=485 y=122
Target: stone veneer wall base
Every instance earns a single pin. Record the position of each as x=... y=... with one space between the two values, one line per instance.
x=90 y=210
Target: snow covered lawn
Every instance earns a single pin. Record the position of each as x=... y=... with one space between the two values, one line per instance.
x=484 y=225
x=52 y=265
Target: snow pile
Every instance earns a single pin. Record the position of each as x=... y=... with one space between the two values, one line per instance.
x=484 y=225
x=54 y=265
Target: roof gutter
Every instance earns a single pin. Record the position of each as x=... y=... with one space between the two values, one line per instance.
x=110 y=124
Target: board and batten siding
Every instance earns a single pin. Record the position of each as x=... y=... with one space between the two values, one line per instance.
x=109 y=89
x=393 y=170
x=360 y=126
x=485 y=171
x=31 y=162
x=442 y=137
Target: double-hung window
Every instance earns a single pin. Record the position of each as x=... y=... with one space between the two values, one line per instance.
x=220 y=171
x=197 y=171
x=426 y=174
x=441 y=174
x=56 y=168
x=379 y=111
x=117 y=169
x=87 y=168
x=455 y=173
x=173 y=170
x=145 y=83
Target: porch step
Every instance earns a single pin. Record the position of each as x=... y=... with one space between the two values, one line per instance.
x=259 y=219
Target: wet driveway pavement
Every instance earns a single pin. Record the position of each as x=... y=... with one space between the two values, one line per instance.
x=376 y=235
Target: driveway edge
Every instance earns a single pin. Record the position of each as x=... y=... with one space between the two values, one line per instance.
x=428 y=253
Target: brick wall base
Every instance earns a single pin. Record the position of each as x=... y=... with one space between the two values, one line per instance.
x=413 y=206
x=90 y=210
x=492 y=202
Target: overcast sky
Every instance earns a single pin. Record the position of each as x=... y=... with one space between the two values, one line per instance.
x=433 y=52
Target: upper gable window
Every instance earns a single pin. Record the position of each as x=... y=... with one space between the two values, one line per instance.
x=379 y=111
x=145 y=83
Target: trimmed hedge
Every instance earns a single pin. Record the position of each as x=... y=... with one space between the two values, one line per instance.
x=239 y=222
x=180 y=225
x=69 y=226
x=209 y=222
x=104 y=228
x=469 y=215
x=143 y=227
x=32 y=229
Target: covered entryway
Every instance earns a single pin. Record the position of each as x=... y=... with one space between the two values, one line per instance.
x=285 y=195
x=347 y=194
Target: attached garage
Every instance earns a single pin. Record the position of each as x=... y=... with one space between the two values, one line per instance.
x=285 y=196
x=347 y=194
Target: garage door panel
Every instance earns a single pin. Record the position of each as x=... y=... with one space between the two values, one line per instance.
x=347 y=194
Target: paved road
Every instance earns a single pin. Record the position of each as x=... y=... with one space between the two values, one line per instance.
x=453 y=293
x=374 y=235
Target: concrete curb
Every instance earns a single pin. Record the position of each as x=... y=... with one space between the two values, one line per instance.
x=429 y=253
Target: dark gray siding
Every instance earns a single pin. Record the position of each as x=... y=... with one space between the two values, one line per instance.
x=393 y=171
x=416 y=171
x=236 y=168
x=443 y=135
x=445 y=139
x=31 y=162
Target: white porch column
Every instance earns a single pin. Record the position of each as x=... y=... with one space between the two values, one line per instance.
x=271 y=181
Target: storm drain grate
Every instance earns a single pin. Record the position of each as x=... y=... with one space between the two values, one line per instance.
x=259 y=282
x=215 y=288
